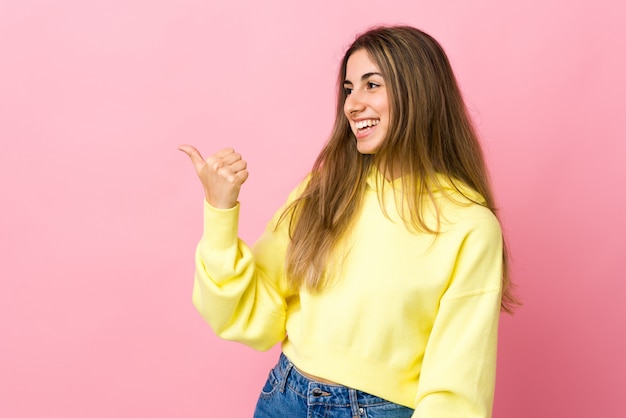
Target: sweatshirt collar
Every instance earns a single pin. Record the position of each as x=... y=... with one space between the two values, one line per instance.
x=441 y=185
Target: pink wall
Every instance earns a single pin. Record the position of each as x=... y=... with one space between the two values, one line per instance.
x=100 y=213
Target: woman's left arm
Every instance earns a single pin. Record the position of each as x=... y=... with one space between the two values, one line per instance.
x=457 y=378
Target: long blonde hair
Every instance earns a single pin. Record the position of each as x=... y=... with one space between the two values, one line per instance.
x=430 y=132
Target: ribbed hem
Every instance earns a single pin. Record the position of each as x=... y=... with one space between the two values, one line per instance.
x=398 y=386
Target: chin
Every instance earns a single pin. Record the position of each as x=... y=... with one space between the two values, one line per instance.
x=366 y=148
x=370 y=144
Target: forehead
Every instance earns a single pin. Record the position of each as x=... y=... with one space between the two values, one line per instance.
x=360 y=63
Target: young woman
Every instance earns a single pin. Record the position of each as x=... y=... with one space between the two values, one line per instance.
x=384 y=274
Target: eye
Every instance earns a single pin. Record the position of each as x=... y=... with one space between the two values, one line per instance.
x=347 y=90
x=372 y=85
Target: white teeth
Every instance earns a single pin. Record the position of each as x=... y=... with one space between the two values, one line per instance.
x=366 y=123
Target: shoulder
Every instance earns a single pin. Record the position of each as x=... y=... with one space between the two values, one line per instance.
x=463 y=209
x=472 y=222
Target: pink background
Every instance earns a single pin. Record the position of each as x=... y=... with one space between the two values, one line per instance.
x=101 y=214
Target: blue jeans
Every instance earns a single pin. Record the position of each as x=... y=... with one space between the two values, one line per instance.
x=289 y=394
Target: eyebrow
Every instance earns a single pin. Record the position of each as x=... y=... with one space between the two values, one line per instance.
x=363 y=77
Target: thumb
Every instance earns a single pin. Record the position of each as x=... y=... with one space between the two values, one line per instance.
x=194 y=155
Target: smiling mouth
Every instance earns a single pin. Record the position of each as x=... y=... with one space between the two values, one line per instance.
x=364 y=127
x=365 y=124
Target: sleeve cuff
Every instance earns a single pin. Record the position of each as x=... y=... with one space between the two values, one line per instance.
x=221 y=226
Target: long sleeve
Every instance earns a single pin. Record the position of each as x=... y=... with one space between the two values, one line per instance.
x=457 y=378
x=241 y=292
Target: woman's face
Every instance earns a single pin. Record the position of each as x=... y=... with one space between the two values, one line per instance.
x=366 y=105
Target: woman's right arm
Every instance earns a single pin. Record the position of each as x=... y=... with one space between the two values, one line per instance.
x=240 y=292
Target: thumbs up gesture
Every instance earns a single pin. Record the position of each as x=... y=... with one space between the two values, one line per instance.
x=222 y=175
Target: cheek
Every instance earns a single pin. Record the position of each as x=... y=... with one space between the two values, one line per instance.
x=384 y=107
x=383 y=104
x=386 y=114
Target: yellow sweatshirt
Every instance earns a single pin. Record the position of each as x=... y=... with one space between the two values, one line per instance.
x=410 y=317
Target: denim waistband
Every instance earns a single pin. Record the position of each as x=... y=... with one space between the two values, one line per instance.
x=318 y=393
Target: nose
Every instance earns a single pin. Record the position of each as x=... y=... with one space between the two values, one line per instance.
x=354 y=104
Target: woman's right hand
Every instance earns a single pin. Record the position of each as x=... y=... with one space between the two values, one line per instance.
x=222 y=175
